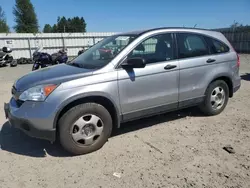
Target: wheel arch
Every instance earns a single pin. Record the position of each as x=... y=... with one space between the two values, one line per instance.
x=227 y=79
x=103 y=100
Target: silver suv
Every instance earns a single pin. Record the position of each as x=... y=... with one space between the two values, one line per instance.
x=122 y=78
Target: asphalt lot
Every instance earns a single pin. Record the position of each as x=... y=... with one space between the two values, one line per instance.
x=179 y=149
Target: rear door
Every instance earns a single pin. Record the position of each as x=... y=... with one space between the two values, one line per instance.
x=196 y=63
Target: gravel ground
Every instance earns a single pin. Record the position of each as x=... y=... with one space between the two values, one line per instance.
x=180 y=149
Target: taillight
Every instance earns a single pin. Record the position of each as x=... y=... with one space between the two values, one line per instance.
x=238 y=60
x=238 y=57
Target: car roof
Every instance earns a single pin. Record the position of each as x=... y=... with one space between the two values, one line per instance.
x=139 y=32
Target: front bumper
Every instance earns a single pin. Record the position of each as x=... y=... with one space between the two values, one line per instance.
x=19 y=118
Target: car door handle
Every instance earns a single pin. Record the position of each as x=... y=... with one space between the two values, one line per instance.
x=211 y=60
x=170 y=67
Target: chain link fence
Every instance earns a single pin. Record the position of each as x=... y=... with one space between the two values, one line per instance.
x=239 y=37
x=239 y=40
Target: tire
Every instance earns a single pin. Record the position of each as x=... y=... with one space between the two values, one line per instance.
x=67 y=128
x=13 y=63
x=210 y=96
x=20 y=61
x=3 y=65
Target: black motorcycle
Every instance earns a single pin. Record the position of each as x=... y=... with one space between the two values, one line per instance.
x=7 y=58
x=82 y=50
x=42 y=60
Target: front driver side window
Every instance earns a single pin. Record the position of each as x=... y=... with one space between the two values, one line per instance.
x=155 y=49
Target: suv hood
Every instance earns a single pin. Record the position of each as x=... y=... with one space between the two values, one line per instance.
x=51 y=75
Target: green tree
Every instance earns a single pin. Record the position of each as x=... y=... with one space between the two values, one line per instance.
x=25 y=17
x=4 y=28
x=83 y=25
x=238 y=27
x=62 y=25
x=54 y=28
x=236 y=24
x=77 y=25
x=70 y=25
x=47 y=29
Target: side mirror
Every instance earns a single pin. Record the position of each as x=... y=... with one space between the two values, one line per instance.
x=136 y=62
x=6 y=50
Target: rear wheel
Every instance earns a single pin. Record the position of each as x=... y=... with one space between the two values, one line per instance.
x=85 y=128
x=216 y=98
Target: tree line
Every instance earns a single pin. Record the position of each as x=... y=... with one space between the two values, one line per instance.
x=237 y=27
x=64 y=25
x=4 y=28
x=27 y=22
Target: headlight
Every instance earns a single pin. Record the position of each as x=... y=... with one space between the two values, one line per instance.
x=37 y=93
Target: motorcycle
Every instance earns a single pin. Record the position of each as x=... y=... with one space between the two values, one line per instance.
x=82 y=50
x=6 y=58
x=42 y=59
x=109 y=51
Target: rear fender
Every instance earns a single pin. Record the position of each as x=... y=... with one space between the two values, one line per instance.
x=218 y=76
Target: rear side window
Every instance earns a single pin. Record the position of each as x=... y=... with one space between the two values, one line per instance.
x=191 y=45
x=217 y=47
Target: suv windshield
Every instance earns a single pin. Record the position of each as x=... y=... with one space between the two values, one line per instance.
x=103 y=52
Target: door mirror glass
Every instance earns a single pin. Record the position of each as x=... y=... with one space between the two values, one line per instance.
x=131 y=63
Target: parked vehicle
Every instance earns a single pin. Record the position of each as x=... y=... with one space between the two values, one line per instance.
x=42 y=59
x=7 y=58
x=82 y=50
x=153 y=72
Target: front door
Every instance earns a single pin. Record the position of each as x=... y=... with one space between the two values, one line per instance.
x=154 y=88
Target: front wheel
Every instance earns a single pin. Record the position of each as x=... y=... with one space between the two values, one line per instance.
x=85 y=128
x=13 y=63
x=35 y=66
x=216 y=98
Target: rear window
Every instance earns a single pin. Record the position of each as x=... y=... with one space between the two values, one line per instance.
x=217 y=47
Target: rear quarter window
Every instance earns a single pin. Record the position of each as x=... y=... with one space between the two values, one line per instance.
x=216 y=46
